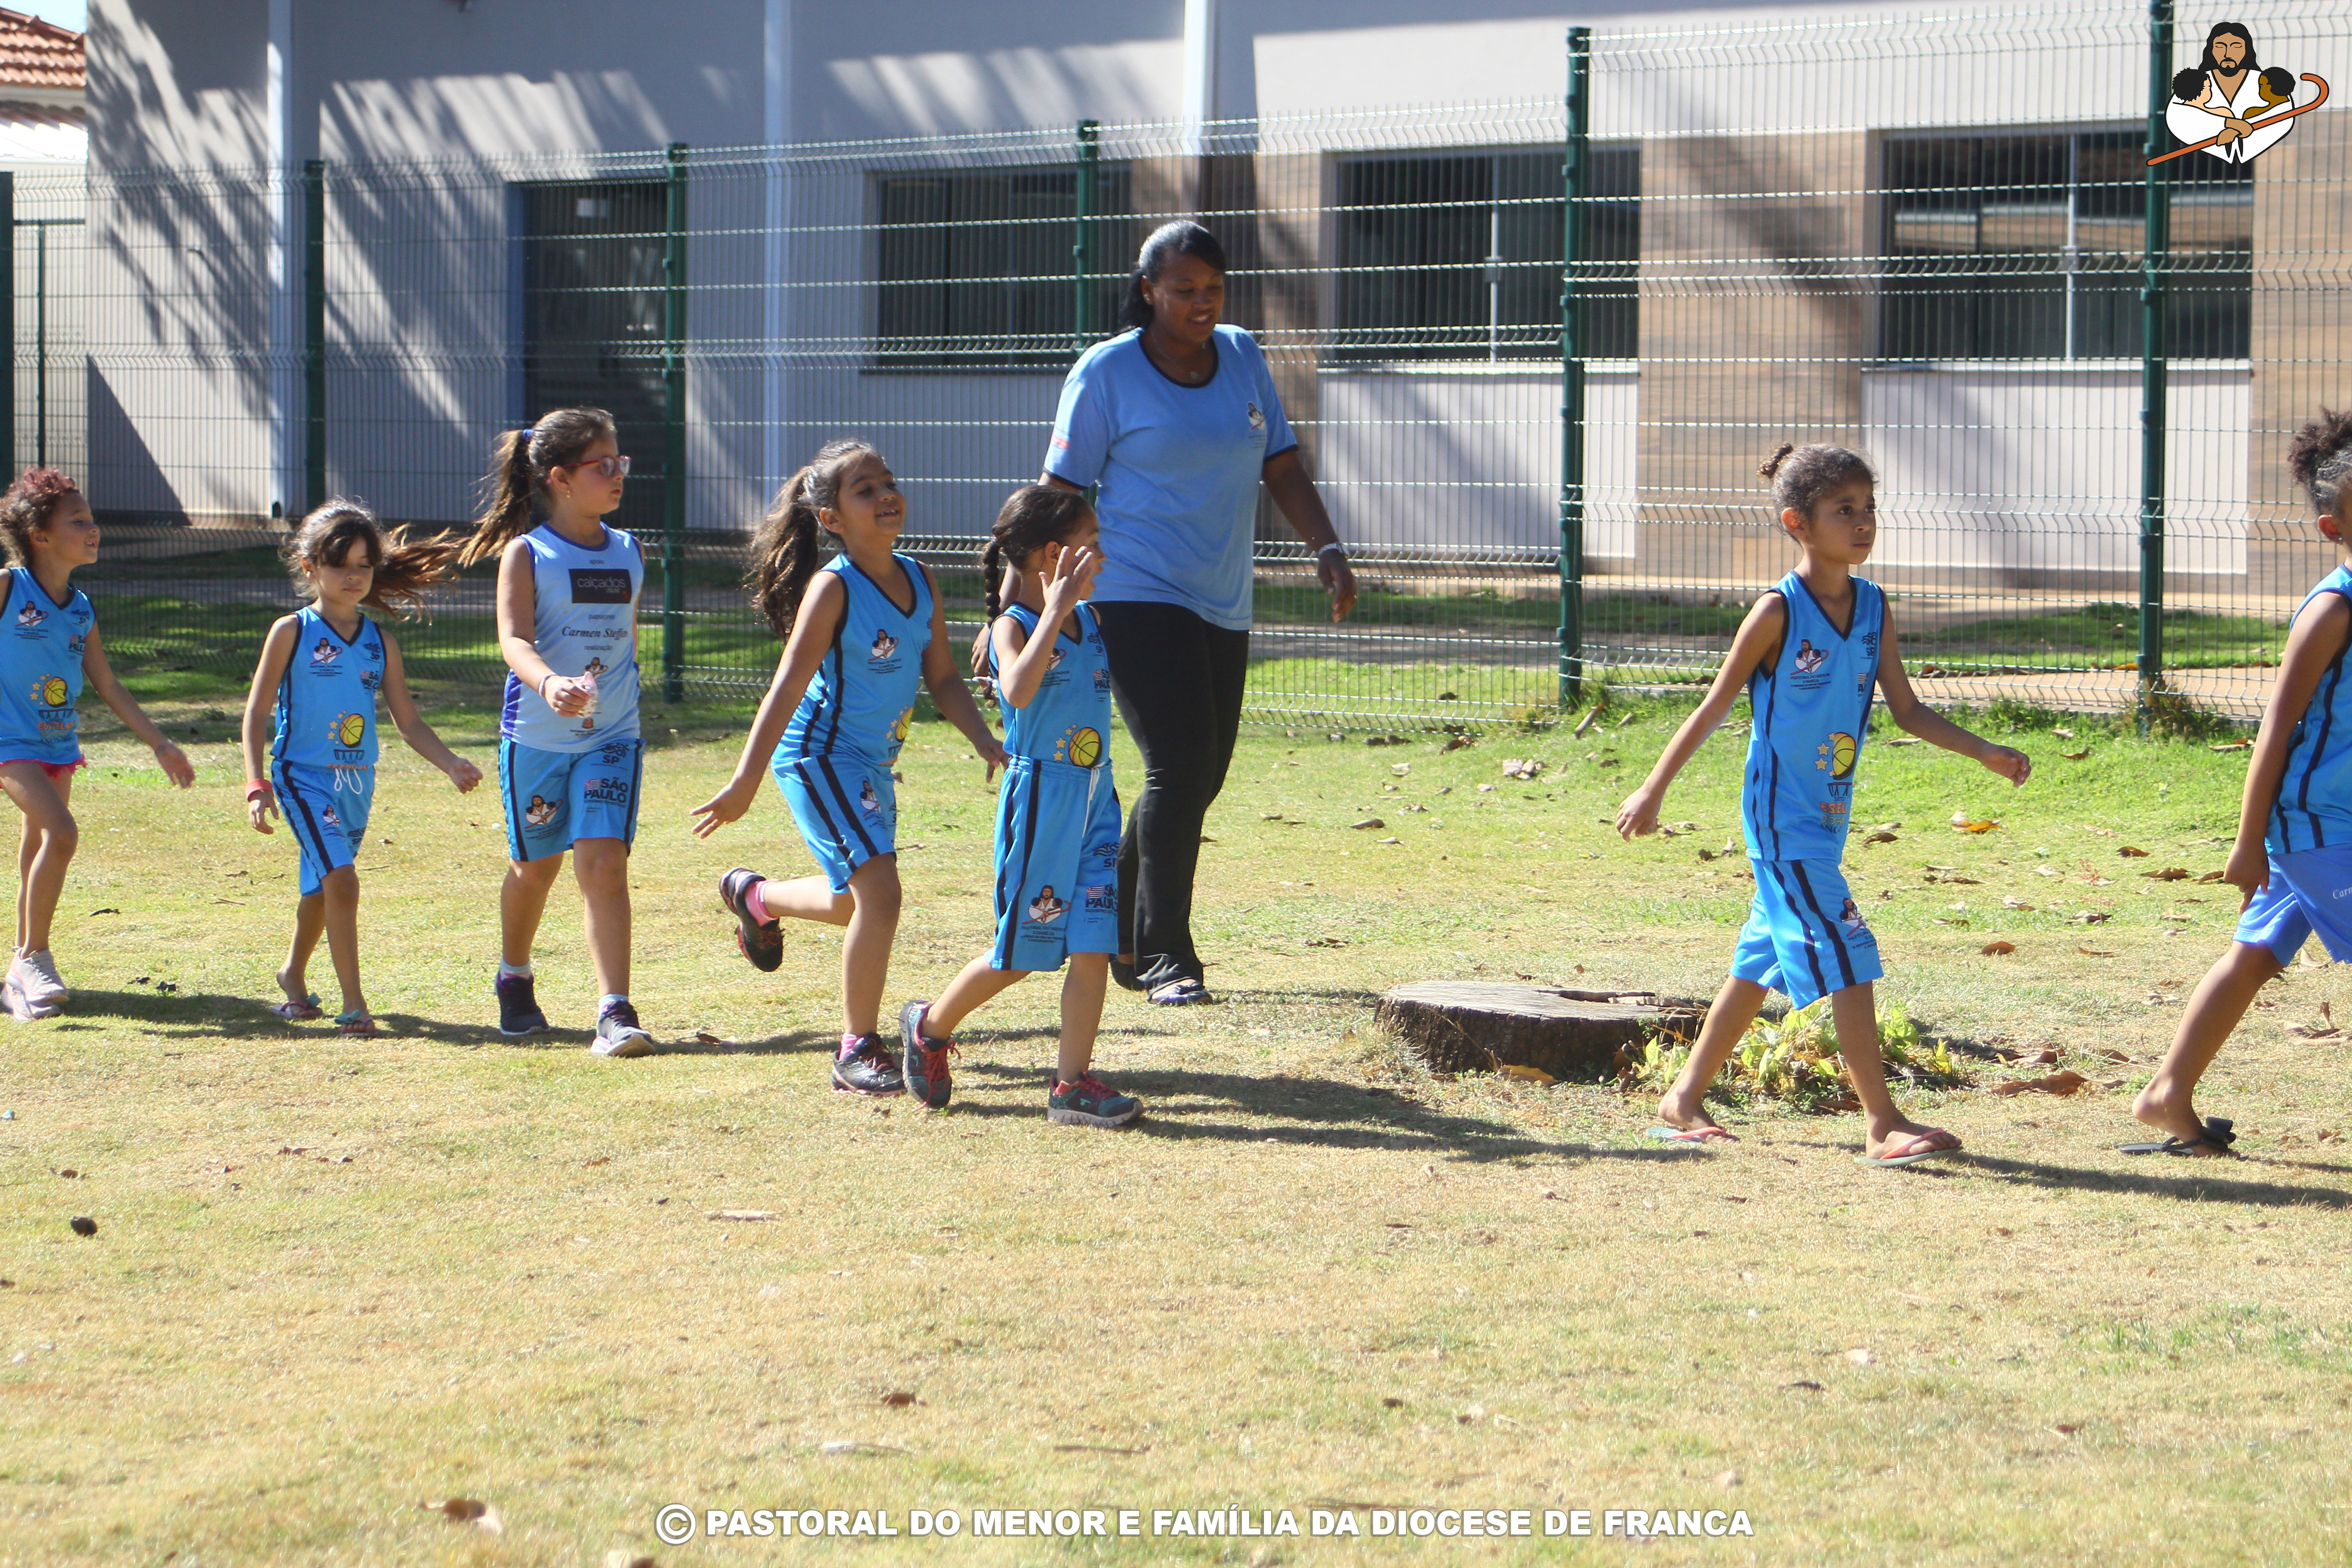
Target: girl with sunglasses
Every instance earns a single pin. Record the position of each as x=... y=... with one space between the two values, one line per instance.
x=570 y=758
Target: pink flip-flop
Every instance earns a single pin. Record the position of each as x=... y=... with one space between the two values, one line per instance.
x=1911 y=1154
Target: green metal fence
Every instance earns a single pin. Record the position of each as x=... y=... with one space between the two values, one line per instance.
x=1533 y=352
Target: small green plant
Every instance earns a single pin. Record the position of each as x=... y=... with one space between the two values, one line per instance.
x=1794 y=1059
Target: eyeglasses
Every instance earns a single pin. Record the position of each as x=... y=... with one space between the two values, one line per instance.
x=611 y=468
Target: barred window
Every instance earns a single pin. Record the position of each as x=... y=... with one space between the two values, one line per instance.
x=2016 y=246
x=1449 y=256
x=976 y=268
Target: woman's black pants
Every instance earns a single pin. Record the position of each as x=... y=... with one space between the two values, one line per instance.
x=1179 y=680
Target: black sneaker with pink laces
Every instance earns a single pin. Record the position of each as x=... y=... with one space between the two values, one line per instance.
x=867 y=1067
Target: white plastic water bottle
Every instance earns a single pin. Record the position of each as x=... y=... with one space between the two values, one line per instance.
x=587 y=678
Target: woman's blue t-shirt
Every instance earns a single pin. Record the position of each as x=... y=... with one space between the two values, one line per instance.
x=1179 y=466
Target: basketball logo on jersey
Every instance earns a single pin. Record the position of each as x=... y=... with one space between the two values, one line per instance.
x=350 y=730
x=899 y=730
x=51 y=692
x=1045 y=909
x=1838 y=755
x=1082 y=746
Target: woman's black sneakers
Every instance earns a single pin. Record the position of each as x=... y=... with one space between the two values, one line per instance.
x=869 y=1069
x=519 y=1013
x=760 y=940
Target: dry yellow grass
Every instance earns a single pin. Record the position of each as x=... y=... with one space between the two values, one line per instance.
x=333 y=1280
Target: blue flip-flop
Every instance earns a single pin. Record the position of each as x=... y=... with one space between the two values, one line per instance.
x=1691 y=1137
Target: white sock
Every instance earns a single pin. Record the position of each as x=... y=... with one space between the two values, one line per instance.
x=506 y=969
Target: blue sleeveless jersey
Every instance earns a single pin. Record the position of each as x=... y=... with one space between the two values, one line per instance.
x=1812 y=712
x=41 y=643
x=2314 y=798
x=1069 y=716
x=326 y=699
x=585 y=616
x=863 y=695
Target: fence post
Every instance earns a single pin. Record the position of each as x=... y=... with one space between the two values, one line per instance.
x=2156 y=245
x=314 y=333
x=674 y=434
x=7 y=325
x=1082 y=245
x=1571 y=375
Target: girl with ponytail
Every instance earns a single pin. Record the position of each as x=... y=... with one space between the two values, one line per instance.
x=52 y=645
x=1057 y=814
x=314 y=694
x=859 y=632
x=570 y=757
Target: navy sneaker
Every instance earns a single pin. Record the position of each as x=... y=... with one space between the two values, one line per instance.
x=761 y=941
x=519 y=1013
x=1090 y=1102
x=868 y=1069
x=926 y=1057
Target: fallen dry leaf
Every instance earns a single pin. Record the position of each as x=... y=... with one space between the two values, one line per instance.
x=1526 y=1074
x=2132 y=852
x=741 y=1214
x=2064 y=1082
x=1369 y=822
x=1880 y=837
x=2169 y=874
x=1522 y=767
x=899 y=1399
x=2063 y=733
x=1998 y=949
x=1586 y=723
x=2074 y=756
x=704 y=1036
x=2094 y=917
x=1858 y=1356
x=2094 y=953
x=2234 y=745
x=851 y=1445
x=2013 y=902
x=1973 y=824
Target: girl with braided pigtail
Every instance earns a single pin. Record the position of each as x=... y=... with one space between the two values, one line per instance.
x=1057 y=824
x=2292 y=860
x=860 y=632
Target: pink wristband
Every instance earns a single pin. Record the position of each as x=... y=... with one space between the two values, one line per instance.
x=256 y=788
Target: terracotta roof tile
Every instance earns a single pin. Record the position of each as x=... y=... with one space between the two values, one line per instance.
x=34 y=53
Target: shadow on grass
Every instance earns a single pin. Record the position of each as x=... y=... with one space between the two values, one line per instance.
x=2208 y=1185
x=1304 y=1112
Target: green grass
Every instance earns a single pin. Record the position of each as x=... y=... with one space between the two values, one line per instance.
x=335 y=1279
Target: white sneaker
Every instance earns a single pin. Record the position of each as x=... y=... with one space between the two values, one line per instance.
x=42 y=986
x=16 y=992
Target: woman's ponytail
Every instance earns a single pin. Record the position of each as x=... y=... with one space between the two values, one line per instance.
x=786 y=549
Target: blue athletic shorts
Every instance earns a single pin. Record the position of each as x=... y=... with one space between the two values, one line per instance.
x=327 y=808
x=1804 y=934
x=554 y=799
x=1057 y=864
x=846 y=808
x=2309 y=890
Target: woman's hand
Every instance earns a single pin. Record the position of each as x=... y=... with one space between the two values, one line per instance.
x=1339 y=580
x=175 y=763
x=463 y=774
x=2008 y=763
x=725 y=806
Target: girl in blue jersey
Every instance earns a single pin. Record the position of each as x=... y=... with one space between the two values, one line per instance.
x=48 y=643
x=570 y=756
x=2292 y=859
x=859 y=632
x=1809 y=654
x=315 y=690
x=1057 y=824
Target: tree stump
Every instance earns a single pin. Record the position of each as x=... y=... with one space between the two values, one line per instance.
x=1471 y=1026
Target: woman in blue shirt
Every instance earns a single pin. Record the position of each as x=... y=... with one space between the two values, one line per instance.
x=1178 y=422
